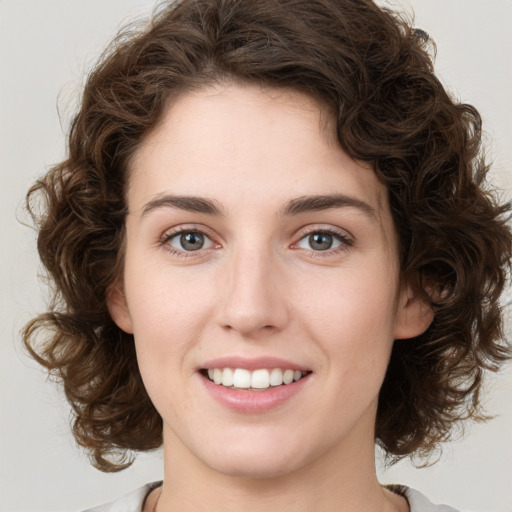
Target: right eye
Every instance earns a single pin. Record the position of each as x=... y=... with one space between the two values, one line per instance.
x=189 y=241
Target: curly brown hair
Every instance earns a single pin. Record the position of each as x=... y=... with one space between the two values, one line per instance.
x=375 y=74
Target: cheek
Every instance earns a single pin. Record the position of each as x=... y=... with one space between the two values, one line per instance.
x=364 y=298
x=167 y=315
x=353 y=317
x=165 y=298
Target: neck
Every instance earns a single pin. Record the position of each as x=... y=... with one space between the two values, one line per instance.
x=341 y=480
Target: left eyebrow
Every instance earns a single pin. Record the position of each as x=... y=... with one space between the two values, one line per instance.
x=325 y=202
x=187 y=203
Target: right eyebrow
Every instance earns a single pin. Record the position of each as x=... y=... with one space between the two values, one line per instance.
x=187 y=203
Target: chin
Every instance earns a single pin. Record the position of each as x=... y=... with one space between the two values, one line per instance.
x=259 y=470
x=262 y=463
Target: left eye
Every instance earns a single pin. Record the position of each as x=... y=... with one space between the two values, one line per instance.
x=190 y=241
x=322 y=241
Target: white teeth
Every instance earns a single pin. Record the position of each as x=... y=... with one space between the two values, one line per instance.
x=242 y=378
x=257 y=379
x=260 y=379
x=276 y=377
x=227 y=377
x=288 y=376
x=217 y=376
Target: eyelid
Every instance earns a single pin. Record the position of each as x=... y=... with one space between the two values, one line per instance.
x=187 y=228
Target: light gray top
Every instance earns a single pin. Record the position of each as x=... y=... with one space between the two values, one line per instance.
x=134 y=501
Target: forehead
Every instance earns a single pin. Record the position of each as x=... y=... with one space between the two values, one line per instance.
x=232 y=140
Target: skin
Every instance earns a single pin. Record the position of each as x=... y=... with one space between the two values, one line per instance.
x=257 y=287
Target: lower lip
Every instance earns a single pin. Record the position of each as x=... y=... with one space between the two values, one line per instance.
x=253 y=402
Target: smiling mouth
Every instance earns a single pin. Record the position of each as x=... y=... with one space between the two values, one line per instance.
x=256 y=380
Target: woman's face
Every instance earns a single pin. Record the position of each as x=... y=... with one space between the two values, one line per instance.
x=258 y=252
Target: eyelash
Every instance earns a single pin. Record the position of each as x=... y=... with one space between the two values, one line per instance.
x=345 y=241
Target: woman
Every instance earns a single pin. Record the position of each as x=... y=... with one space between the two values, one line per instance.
x=272 y=248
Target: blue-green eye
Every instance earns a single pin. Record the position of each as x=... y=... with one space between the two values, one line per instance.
x=322 y=241
x=190 y=241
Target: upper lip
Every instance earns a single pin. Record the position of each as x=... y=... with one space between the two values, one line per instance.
x=253 y=363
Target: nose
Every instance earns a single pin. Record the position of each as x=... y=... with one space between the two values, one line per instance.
x=253 y=295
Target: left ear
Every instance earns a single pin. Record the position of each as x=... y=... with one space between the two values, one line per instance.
x=414 y=315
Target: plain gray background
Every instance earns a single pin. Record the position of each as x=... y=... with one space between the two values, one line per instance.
x=46 y=47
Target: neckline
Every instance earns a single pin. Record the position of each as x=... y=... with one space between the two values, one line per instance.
x=399 y=490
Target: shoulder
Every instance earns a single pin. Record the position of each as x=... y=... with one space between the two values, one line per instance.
x=131 y=502
x=418 y=502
